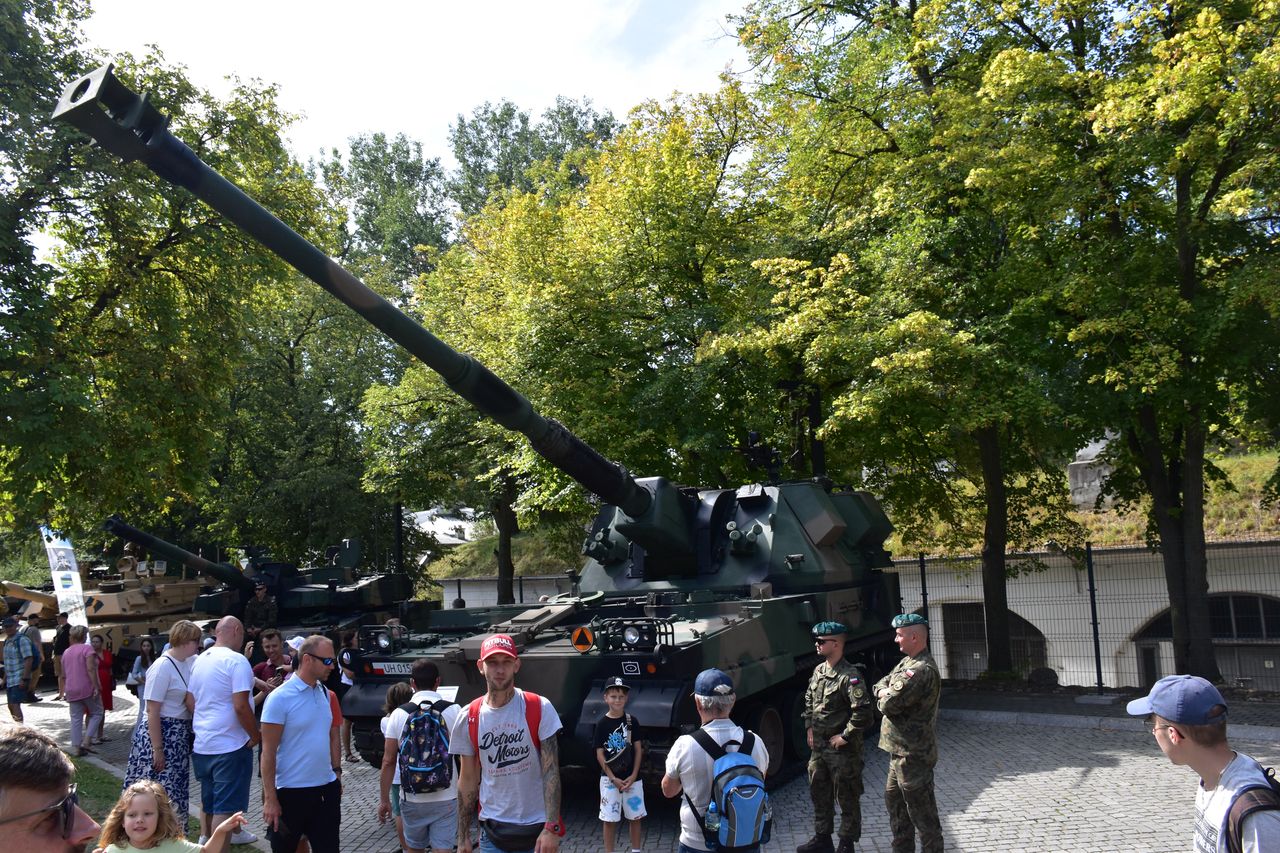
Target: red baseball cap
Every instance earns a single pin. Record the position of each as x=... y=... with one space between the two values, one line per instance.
x=498 y=644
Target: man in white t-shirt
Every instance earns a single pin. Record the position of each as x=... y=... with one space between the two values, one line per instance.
x=430 y=818
x=226 y=732
x=689 y=766
x=512 y=776
x=1188 y=717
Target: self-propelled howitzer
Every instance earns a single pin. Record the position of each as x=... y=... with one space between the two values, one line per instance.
x=676 y=579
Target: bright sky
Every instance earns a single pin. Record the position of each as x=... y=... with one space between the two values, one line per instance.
x=413 y=67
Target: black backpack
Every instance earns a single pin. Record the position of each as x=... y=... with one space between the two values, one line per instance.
x=1254 y=798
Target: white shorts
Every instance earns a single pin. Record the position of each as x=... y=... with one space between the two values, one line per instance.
x=614 y=804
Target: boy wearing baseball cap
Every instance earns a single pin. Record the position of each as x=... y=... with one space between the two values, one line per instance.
x=1236 y=808
x=619 y=751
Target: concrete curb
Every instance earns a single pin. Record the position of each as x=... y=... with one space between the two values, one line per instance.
x=1253 y=734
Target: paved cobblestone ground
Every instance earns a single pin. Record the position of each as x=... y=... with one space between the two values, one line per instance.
x=1001 y=787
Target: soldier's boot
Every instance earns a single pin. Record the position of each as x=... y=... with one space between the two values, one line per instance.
x=817 y=844
x=845 y=845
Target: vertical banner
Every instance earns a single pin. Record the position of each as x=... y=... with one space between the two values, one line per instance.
x=66 y=577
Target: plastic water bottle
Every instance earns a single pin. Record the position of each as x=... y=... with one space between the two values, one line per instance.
x=712 y=820
x=768 y=810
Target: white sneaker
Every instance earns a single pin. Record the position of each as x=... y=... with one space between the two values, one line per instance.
x=204 y=839
x=243 y=836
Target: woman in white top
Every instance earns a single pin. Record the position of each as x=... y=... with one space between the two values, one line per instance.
x=161 y=749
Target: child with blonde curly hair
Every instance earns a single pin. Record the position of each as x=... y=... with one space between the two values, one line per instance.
x=143 y=819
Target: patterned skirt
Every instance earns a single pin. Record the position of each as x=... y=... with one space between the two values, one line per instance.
x=175 y=778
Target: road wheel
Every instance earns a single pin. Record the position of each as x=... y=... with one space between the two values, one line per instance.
x=766 y=722
x=797 y=737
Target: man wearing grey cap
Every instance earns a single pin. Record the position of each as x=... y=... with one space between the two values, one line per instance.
x=908 y=699
x=1236 y=807
x=689 y=765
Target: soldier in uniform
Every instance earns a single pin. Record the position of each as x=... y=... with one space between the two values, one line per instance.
x=837 y=708
x=908 y=699
x=260 y=612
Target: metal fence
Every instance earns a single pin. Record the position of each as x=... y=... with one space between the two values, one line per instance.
x=1052 y=614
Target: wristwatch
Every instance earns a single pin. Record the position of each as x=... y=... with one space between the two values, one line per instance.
x=555 y=828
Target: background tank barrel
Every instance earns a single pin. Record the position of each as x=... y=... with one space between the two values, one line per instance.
x=220 y=571
x=44 y=599
x=129 y=126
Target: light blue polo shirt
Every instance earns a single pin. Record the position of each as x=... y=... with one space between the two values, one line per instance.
x=303 y=760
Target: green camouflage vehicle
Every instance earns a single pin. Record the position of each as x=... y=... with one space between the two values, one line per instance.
x=676 y=579
x=325 y=599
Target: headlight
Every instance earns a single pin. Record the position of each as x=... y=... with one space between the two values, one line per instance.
x=631 y=635
x=383 y=640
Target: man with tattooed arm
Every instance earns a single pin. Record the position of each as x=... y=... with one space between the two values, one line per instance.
x=510 y=761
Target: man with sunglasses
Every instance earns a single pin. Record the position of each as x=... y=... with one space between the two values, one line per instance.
x=837 y=708
x=39 y=812
x=1236 y=807
x=301 y=766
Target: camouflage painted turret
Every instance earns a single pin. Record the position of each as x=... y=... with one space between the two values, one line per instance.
x=677 y=579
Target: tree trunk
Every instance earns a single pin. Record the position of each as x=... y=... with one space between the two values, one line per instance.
x=1201 y=659
x=504 y=517
x=995 y=539
x=1176 y=486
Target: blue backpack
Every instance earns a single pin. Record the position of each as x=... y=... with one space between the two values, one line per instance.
x=424 y=749
x=738 y=796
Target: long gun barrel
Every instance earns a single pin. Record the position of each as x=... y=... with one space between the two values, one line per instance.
x=128 y=125
x=221 y=571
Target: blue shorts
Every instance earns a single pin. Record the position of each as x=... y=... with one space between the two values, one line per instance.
x=17 y=695
x=224 y=780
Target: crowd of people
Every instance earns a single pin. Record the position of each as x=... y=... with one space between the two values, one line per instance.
x=493 y=764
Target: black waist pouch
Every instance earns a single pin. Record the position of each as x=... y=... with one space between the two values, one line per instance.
x=512 y=836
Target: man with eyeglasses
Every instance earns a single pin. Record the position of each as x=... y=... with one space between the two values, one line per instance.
x=39 y=812
x=837 y=708
x=226 y=731
x=1236 y=805
x=908 y=698
x=301 y=767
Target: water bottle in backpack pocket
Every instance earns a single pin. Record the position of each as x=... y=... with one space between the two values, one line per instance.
x=424 y=749
x=739 y=815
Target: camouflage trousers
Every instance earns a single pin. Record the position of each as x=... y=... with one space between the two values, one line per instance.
x=835 y=775
x=908 y=794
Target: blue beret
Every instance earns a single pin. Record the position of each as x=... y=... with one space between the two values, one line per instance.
x=906 y=620
x=829 y=629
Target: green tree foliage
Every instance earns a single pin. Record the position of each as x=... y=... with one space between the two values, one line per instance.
x=1163 y=121
x=136 y=339
x=1068 y=208
x=907 y=304
x=497 y=147
x=398 y=203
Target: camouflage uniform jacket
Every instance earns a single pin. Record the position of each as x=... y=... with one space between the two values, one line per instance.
x=908 y=698
x=837 y=701
x=260 y=614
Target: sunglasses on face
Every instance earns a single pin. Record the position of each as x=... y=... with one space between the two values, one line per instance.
x=325 y=661
x=823 y=642
x=66 y=809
